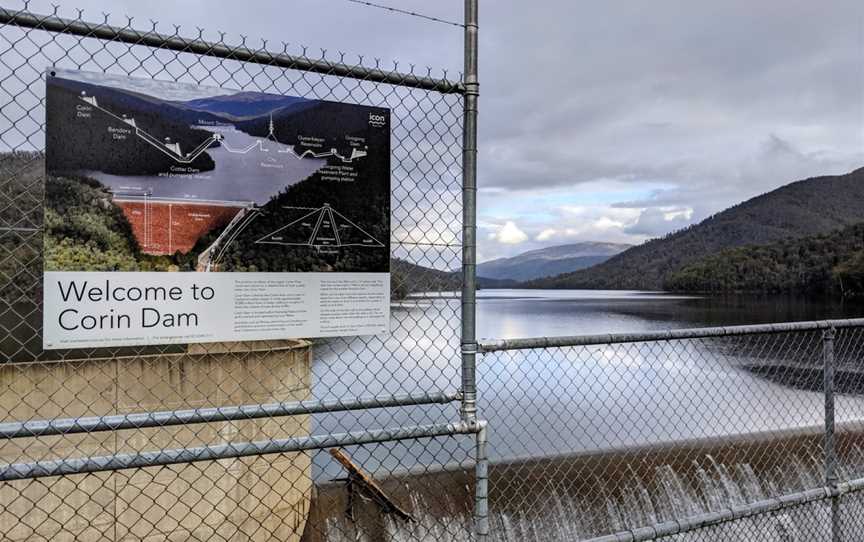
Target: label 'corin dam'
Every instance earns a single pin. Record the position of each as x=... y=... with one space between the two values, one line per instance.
x=72 y=319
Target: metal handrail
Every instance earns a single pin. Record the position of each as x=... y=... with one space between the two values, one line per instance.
x=496 y=345
x=114 y=462
x=92 y=424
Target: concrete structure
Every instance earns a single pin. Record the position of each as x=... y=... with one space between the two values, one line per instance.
x=167 y=227
x=258 y=498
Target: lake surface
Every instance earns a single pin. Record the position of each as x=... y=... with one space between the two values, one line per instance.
x=561 y=401
x=254 y=176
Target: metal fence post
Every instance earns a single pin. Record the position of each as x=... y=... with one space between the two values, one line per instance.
x=469 y=217
x=481 y=487
x=469 y=270
x=830 y=439
x=49 y=395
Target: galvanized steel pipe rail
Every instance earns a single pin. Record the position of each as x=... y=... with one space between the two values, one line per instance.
x=60 y=467
x=499 y=345
x=93 y=424
x=104 y=31
x=468 y=301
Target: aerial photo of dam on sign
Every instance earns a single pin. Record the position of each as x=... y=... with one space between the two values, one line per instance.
x=183 y=177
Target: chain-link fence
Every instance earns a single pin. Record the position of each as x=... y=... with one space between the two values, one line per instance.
x=746 y=433
x=232 y=441
x=741 y=433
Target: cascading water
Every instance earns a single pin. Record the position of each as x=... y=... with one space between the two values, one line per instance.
x=552 y=511
x=588 y=441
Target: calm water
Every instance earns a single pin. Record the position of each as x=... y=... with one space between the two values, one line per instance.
x=568 y=400
x=255 y=176
x=561 y=402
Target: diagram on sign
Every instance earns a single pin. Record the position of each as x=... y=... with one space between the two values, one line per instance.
x=173 y=150
x=261 y=146
x=321 y=227
x=203 y=179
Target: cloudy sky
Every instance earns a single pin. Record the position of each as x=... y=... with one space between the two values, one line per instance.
x=612 y=121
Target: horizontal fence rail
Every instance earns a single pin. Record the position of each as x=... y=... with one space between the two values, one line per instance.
x=498 y=345
x=42 y=469
x=95 y=424
x=108 y=32
x=735 y=513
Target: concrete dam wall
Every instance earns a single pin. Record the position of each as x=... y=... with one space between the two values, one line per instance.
x=166 y=227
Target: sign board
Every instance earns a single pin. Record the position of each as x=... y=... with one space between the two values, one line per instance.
x=178 y=213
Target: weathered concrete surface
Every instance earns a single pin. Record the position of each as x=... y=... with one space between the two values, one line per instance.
x=262 y=498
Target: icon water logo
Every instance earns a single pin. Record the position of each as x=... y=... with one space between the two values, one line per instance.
x=377 y=121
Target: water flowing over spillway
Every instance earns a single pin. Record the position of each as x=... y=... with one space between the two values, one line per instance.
x=586 y=442
x=442 y=505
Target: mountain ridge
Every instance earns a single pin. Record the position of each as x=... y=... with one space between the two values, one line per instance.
x=548 y=261
x=812 y=206
x=246 y=105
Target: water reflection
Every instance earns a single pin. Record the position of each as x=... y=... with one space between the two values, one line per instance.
x=569 y=400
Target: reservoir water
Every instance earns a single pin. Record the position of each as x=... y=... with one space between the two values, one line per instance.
x=567 y=405
x=253 y=176
x=529 y=397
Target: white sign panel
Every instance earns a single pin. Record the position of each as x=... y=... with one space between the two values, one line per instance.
x=177 y=213
x=111 y=309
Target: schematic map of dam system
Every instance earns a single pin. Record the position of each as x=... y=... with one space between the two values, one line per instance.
x=174 y=176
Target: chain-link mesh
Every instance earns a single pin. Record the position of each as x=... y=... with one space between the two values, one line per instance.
x=605 y=439
x=811 y=521
x=712 y=438
x=285 y=496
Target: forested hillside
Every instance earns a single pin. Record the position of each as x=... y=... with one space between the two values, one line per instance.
x=85 y=231
x=75 y=143
x=828 y=262
x=810 y=207
x=408 y=278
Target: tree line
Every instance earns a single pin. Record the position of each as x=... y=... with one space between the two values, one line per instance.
x=827 y=263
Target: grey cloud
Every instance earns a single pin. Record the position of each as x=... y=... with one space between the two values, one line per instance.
x=718 y=101
x=654 y=222
x=160 y=89
x=650 y=85
x=777 y=162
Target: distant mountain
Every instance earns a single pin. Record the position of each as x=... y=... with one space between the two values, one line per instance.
x=408 y=278
x=810 y=207
x=136 y=104
x=813 y=264
x=72 y=146
x=550 y=261
x=246 y=104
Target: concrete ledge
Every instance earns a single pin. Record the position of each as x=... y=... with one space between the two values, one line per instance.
x=258 y=498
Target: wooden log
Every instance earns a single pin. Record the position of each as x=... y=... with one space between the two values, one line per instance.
x=365 y=483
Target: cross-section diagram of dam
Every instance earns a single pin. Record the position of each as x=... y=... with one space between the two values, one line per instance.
x=321 y=227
